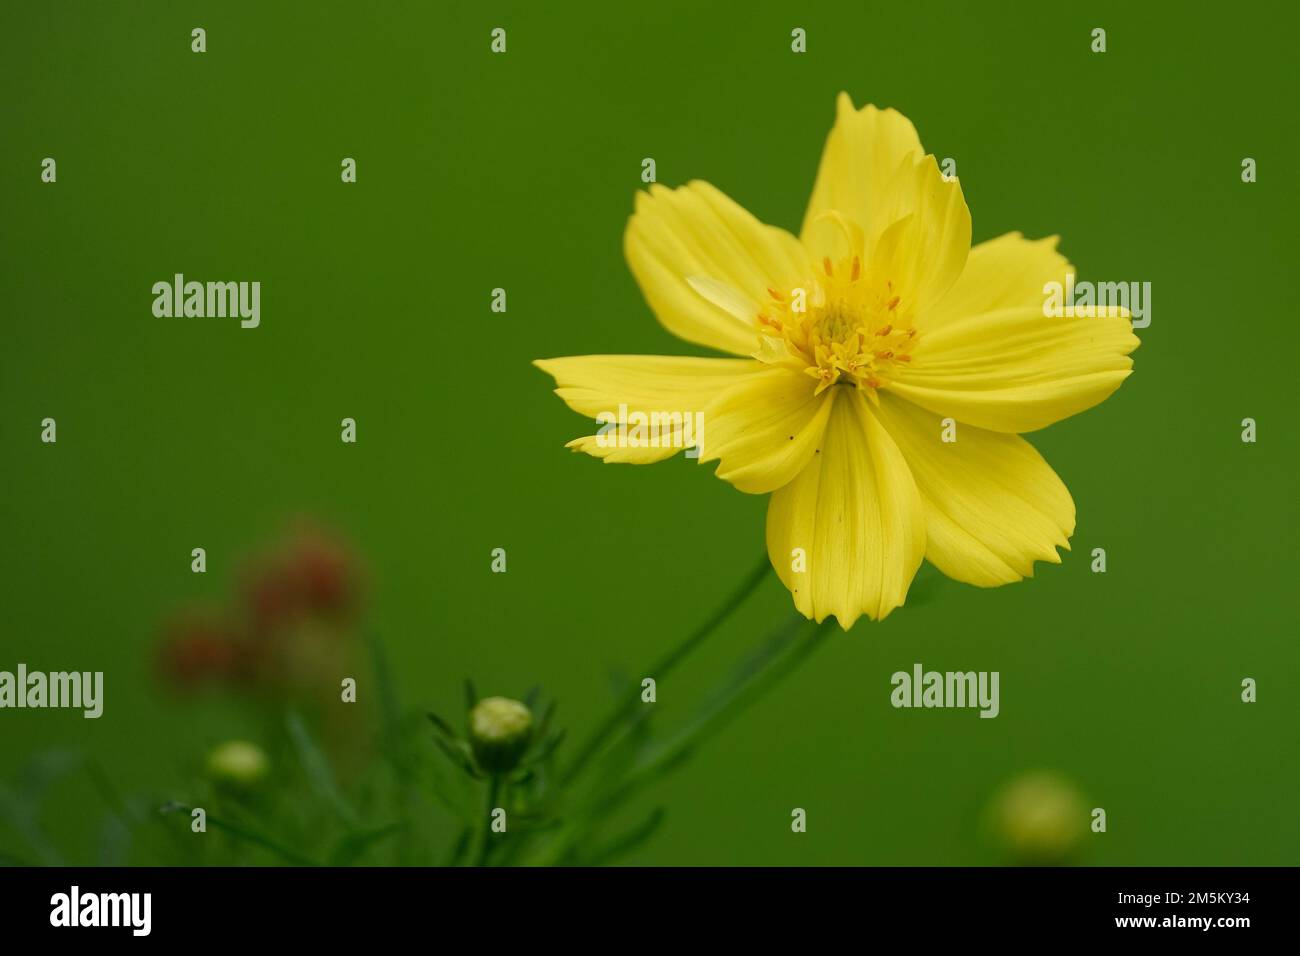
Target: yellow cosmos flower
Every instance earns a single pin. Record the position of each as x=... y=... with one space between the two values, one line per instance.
x=857 y=340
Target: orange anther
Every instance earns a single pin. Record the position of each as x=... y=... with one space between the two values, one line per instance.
x=886 y=330
x=826 y=264
x=857 y=268
x=774 y=294
x=893 y=303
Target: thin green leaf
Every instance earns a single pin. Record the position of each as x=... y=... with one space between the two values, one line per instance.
x=389 y=707
x=443 y=727
x=459 y=754
x=545 y=750
x=317 y=767
x=629 y=841
x=460 y=847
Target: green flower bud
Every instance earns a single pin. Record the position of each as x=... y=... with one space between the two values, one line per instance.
x=500 y=730
x=238 y=764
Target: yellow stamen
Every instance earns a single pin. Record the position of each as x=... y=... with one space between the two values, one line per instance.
x=850 y=329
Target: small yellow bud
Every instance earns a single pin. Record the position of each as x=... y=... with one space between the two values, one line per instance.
x=238 y=763
x=1040 y=818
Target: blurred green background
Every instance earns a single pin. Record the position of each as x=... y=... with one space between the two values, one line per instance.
x=476 y=171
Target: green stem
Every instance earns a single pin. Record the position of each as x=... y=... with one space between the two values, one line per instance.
x=485 y=831
x=779 y=657
x=604 y=736
x=768 y=668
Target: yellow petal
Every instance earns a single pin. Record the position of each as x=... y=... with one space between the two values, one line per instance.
x=992 y=505
x=1016 y=370
x=729 y=300
x=1003 y=273
x=591 y=384
x=855 y=513
x=876 y=181
x=697 y=233
x=861 y=158
x=667 y=386
x=765 y=429
x=924 y=251
x=613 y=453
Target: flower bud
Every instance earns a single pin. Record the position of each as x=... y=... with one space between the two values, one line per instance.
x=238 y=764
x=500 y=730
x=1040 y=818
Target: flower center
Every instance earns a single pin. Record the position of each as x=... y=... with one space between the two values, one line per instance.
x=845 y=328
